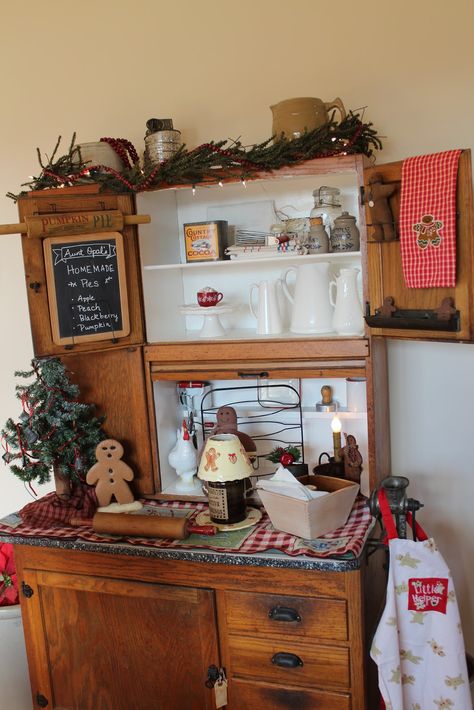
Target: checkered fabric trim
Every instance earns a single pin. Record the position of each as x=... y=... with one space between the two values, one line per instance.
x=350 y=538
x=428 y=219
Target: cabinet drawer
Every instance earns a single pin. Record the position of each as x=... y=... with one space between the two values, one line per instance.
x=248 y=694
x=289 y=662
x=271 y=614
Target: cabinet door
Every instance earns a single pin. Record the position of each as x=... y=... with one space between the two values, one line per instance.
x=108 y=644
x=76 y=201
x=385 y=271
x=114 y=381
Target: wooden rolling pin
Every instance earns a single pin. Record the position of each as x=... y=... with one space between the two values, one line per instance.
x=144 y=525
x=62 y=224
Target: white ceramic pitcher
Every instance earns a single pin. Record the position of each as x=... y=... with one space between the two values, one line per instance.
x=348 y=318
x=268 y=313
x=311 y=309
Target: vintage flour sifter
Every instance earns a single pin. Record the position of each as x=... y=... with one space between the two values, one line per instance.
x=418 y=646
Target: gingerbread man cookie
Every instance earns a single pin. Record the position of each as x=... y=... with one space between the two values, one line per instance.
x=110 y=474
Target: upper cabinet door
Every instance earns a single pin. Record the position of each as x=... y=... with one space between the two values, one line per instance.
x=394 y=309
x=77 y=284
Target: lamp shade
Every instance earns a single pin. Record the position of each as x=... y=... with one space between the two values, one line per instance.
x=224 y=459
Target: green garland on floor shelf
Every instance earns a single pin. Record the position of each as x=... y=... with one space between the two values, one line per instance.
x=210 y=162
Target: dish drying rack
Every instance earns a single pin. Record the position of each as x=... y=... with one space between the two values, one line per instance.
x=271 y=421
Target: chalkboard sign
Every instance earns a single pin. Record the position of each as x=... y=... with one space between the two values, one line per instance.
x=87 y=290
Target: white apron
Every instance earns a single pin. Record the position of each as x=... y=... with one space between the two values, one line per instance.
x=418 y=645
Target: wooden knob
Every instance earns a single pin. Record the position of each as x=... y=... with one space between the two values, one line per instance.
x=326 y=394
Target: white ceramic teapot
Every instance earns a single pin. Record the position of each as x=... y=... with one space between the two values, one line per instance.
x=311 y=309
x=348 y=318
x=268 y=313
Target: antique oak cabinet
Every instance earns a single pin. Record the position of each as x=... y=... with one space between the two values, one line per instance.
x=140 y=630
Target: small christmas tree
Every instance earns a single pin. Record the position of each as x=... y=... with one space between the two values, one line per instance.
x=54 y=428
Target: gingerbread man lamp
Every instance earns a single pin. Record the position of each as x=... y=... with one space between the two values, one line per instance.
x=110 y=475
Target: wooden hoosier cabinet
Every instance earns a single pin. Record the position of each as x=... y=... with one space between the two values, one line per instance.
x=141 y=628
x=134 y=629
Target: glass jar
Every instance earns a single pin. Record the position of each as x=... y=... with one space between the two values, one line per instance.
x=327 y=205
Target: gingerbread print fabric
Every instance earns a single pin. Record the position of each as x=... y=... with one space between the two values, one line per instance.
x=418 y=645
x=428 y=220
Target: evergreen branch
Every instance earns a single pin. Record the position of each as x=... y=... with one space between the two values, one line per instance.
x=208 y=163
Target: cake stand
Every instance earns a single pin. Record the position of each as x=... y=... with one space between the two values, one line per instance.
x=211 y=327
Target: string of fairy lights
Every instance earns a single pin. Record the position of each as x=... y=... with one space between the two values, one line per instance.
x=210 y=163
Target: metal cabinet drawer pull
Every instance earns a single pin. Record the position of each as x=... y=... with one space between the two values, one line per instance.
x=286 y=660
x=284 y=613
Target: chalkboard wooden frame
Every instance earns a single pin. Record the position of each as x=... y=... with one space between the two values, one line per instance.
x=97 y=264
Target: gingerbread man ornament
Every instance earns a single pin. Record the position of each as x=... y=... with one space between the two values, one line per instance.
x=382 y=218
x=352 y=459
x=227 y=424
x=110 y=474
x=211 y=457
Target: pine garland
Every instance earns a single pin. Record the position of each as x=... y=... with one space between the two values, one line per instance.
x=207 y=164
x=54 y=428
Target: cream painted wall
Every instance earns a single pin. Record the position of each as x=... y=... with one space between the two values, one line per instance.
x=102 y=67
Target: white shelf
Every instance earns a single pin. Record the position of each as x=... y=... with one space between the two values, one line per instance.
x=234 y=263
x=342 y=414
x=171 y=335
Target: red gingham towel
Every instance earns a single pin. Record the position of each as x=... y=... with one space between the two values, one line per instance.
x=52 y=510
x=428 y=219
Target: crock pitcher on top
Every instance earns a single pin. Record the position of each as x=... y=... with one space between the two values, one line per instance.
x=293 y=117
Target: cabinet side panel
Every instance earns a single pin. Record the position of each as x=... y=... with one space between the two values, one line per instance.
x=114 y=381
x=378 y=414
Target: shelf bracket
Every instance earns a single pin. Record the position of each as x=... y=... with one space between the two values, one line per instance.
x=444 y=318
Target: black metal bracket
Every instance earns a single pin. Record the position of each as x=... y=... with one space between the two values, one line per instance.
x=445 y=318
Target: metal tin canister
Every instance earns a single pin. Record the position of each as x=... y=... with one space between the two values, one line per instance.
x=161 y=146
x=205 y=241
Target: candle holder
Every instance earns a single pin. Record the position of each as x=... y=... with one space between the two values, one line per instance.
x=331 y=468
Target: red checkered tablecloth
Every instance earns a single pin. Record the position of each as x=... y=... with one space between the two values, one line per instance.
x=349 y=539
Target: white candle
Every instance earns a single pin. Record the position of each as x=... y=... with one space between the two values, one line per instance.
x=336 y=427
